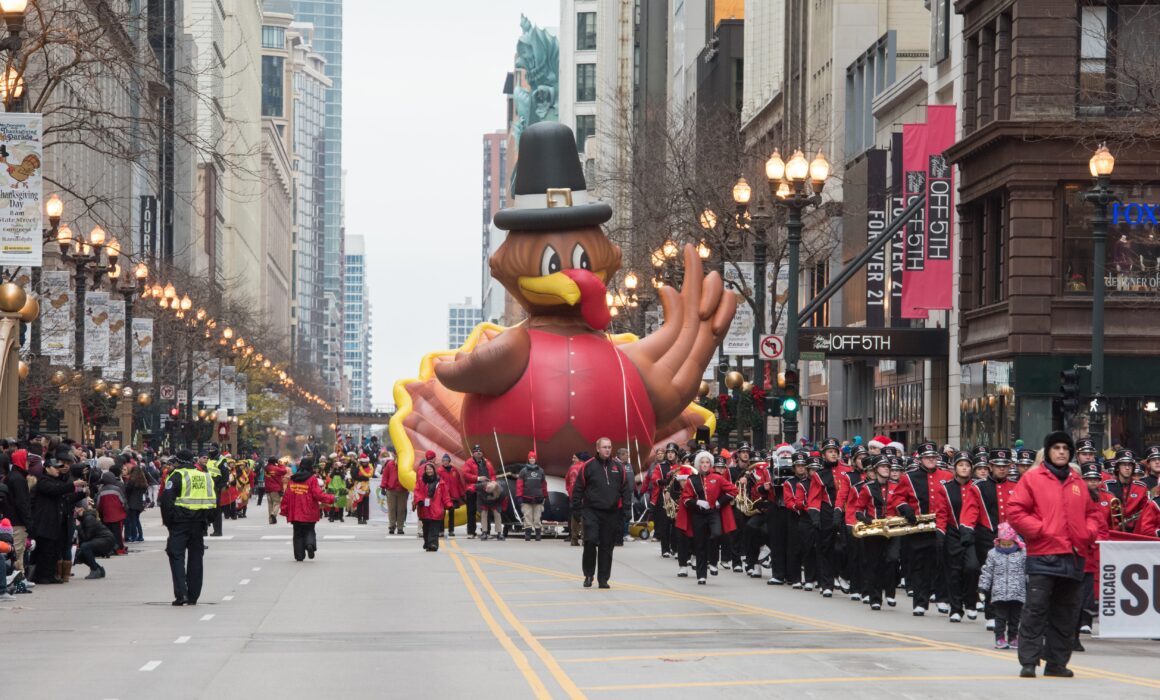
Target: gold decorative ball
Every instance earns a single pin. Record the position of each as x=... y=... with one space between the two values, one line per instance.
x=22 y=370
x=31 y=310
x=115 y=388
x=78 y=378
x=734 y=379
x=99 y=385
x=703 y=390
x=144 y=398
x=746 y=387
x=12 y=297
x=58 y=378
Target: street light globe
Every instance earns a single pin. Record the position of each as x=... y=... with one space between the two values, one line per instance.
x=708 y=219
x=703 y=250
x=228 y=333
x=1102 y=162
x=783 y=190
x=798 y=168
x=97 y=236
x=12 y=85
x=54 y=207
x=658 y=258
x=186 y=303
x=13 y=7
x=775 y=167
x=64 y=236
x=819 y=168
x=630 y=281
x=141 y=272
x=742 y=191
x=670 y=249
x=12 y=297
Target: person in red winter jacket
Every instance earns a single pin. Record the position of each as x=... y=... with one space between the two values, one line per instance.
x=431 y=501
x=300 y=507
x=396 y=495
x=452 y=478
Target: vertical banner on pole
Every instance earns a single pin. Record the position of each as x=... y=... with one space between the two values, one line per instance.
x=898 y=244
x=928 y=270
x=115 y=367
x=875 y=225
x=142 y=350
x=21 y=204
x=56 y=316
x=241 y=395
x=229 y=383
x=96 y=329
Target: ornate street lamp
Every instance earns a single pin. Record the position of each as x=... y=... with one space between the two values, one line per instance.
x=1100 y=196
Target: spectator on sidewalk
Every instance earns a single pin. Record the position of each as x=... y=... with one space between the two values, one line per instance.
x=18 y=508
x=396 y=494
x=136 y=491
x=94 y=540
x=275 y=476
x=114 y=508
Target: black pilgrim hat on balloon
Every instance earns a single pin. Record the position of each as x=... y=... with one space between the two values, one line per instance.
x=550 y=193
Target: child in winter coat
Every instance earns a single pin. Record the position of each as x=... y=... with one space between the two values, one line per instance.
x=431 y=501
x=1004 y=576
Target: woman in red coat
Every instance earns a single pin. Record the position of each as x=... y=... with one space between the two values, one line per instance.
x=452 y=479
x=705 y=514
x=431 y=501
x=300 y=507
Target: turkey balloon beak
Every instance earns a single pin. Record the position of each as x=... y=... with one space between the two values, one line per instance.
x=550 y=290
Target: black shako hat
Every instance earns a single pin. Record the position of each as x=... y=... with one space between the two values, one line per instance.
x=550 y=191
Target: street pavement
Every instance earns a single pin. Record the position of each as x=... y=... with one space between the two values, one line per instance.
x=374 y=616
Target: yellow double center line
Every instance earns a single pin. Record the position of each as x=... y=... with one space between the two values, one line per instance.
x=569 y=687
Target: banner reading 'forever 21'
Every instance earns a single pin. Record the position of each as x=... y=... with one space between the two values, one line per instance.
x=928 y=270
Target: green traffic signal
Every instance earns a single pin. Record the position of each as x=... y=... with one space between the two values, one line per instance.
x=789 y=404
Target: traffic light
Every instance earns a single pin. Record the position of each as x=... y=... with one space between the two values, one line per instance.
x=1069 y=389
x=790 y=401
x=773 y=406
x=175 y=412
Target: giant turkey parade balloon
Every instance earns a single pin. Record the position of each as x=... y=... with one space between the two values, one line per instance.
x=557 y=382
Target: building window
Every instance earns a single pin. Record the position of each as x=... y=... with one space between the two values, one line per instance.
x=272 y=86
x=989 y=221
x=585 y=129
x=273 y=38
x=1132 y=257
x=1117 y=69
x=586 y=82
x=585 y=31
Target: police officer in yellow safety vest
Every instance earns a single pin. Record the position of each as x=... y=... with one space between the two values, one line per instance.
x=216 y=467
x=186 y=504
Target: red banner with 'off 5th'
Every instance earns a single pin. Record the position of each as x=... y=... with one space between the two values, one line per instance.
x=928 y=270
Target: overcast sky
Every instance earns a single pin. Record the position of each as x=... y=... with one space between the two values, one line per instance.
x=422 y=83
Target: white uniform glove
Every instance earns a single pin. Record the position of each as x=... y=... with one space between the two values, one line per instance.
x=703 y=505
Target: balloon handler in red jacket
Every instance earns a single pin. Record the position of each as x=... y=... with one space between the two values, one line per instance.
x=431 y=501
x=300 y=507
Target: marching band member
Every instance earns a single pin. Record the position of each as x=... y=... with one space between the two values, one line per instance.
x=706 y=512
x=1133 y=494
x=855 y=482
x=721 y=549
x=1086 y=453
x=733 y=547
x=826 y=523
x=778 y=517
x=1103 y=500
x=759 y=487
x=655 y=483
x=881 y=498
x=796 y=493
x=1152 y=476
x=957 y=502
x=681 y=542
x=920 y=549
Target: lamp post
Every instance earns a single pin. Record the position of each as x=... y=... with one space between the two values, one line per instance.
x=128 y=286
x=742 y=193
x=799 y=185
x=1100 y=195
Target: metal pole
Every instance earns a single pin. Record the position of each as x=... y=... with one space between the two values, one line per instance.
x=722 y=390
x=1099 y=247
x=79 y=330
x=129 y=303
x=759 y=264
x=794 y=238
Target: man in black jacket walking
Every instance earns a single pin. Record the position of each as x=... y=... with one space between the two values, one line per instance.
x=603 y=496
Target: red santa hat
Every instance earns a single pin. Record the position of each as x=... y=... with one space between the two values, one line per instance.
x=783 y=449
x=878 y=441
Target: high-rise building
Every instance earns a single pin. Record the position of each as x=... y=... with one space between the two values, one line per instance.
x=326 y=17
x=494 y=198
x=356 y=322
x=461 y=320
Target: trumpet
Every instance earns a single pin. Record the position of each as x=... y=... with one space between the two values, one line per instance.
x=895 y=526
x=1116 y=514
x=670 y=504
x=746 y=505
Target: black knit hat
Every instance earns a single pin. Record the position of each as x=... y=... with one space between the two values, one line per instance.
x=550 y=191
x=1057 y=437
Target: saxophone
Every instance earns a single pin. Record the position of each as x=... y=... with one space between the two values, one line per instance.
x=895 y=526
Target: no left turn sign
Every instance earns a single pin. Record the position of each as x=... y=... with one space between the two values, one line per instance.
x=772 y=347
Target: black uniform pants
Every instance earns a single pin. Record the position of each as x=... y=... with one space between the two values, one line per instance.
x=185 y=549
x=602 y=530
x=684 y=546
x=1087 y=608
x=777 y=537
x=706 y=536
x=304 y=539
x=1047 y=626
x=826 y=548
x=880 y=566
x=854 y=566
x=471 y=510
x=662 y=527
x=984 y=543
x=921 y=552
x=961 y=571
x=431 y=529
x=216 y=520
x=802 y=550
x=752 y=537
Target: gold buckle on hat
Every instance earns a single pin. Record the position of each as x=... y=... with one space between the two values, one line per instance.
x=564 y=193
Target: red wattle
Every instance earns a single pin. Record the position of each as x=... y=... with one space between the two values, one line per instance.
x=593 y=301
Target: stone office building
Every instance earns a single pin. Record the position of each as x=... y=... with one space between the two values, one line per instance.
x=1046 y=81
